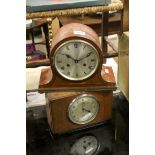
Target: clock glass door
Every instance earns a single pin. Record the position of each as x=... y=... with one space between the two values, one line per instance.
x=76 y=60
x=83 y=109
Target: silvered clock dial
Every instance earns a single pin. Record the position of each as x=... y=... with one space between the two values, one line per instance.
x=86 y=145
x=76 y=60
x=83 y=109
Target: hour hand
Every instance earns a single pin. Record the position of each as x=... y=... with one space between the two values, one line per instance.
x=68 y=56
x=83 y=109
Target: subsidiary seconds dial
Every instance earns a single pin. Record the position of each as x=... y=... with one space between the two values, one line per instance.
x=76 y=60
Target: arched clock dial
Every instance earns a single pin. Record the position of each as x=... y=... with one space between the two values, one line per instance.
x=76 y=60
x=86 y=145
x=83 y=109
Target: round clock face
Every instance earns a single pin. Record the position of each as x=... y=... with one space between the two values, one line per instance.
x=86 y=145
x=83 y=109
x=76 y=60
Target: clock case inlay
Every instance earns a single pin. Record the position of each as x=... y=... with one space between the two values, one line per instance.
x=57 y=110
x=66 y=33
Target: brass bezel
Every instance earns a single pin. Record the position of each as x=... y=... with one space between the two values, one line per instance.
x=72 y=78
x=77 y=98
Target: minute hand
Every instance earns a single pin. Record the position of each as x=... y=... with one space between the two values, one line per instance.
x=86 y=56
x=68 y=56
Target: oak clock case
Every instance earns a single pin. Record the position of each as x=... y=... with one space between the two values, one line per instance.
x=71 y=111
x=76 y=58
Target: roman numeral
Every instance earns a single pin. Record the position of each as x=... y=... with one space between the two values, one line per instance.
x=68 y=73
x=84 y=47
x=59 y=61
x=90 y=67
x=62 y=67
x=67 y=47
x=75 y=45
x=92 y=60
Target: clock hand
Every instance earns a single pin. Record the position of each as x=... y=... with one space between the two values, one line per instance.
x=85 y=147
x=68 y=56
x=82 y=106
x=86 y=56
x=83 y=109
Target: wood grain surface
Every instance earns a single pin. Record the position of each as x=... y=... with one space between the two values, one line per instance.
x=104 y=78
x=57 y=111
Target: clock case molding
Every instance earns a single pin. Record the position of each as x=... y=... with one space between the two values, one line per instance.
x=100 y=78
x=107 y=84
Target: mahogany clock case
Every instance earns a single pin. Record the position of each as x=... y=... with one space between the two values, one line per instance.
x=76 y=31
x=57 y=110
x=67 y=33
x=107 y=81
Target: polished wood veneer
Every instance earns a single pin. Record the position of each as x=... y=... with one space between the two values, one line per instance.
x=57 y=110
x=75 y=31
x=104 y=81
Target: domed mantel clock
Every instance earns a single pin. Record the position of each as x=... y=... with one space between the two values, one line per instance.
x=76 y=59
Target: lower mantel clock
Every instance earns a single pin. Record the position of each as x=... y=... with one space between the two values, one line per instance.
x=70 y=111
